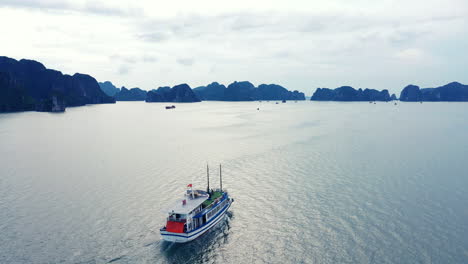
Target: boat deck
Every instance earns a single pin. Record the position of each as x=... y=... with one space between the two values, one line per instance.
x=190 y=204
x=214 y=196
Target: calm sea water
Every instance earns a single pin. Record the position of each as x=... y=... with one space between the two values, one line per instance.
x=312 y=182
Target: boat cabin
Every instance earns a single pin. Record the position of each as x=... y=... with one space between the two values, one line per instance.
x=194 y=210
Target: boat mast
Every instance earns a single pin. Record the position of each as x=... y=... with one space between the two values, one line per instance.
x=208 y=178
x=220 y=178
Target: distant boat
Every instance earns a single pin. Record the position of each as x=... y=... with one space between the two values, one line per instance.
x=284 y=101
x=196 y=213
x=170 y=107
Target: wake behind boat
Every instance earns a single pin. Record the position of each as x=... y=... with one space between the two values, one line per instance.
x=196 y=213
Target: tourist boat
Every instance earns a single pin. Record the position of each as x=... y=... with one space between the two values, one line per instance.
x=197 y=212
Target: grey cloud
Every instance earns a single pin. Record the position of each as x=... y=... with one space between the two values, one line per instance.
x=154 y=36
x=128 y=59
x=192 y=26
x=313 y=26
x=97 y=7
x=124 y=69
x=282 y=54
x=123 y=58
x=90 y=7
x=260 y=36
x=149 y=58
x=405 y=36
x=37 y=4
x=185 y=61
x=246 y=21
x=442 y=18
x=114 y=57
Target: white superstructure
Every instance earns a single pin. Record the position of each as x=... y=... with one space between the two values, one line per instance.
x=195 y=214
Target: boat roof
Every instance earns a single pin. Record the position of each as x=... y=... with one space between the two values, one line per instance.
x=190 y=204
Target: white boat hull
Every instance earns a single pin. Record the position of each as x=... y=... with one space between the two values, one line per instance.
x=186 y=237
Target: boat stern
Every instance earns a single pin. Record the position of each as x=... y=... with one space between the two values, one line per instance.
x=174 y=237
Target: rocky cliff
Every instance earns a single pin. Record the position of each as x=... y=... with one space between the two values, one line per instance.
x=246 y=91
x=240 y=91
x=276 y=92
x=27 y=85
x=133 y=94
x=180 y=93
x=211 y=92
x=109 y=88
x=410 y=93
x=452 y=92
x=347 y=93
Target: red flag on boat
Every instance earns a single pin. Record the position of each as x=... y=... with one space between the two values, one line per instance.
x=190 y=185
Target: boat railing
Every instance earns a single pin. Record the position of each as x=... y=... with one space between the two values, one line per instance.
x=173 y=219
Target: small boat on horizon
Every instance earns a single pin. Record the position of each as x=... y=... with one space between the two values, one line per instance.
x=196 y=213
x=170 y=107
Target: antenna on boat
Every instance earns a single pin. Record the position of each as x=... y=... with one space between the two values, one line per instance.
x=208 y=178
x=220 y=178
x=191 y=189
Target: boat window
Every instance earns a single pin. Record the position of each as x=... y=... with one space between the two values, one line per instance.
x=215 y=210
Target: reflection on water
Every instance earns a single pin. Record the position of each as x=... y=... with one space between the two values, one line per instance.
x=313 y=182
x=202 y=249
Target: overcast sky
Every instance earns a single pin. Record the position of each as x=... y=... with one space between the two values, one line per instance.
x=381 y=44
